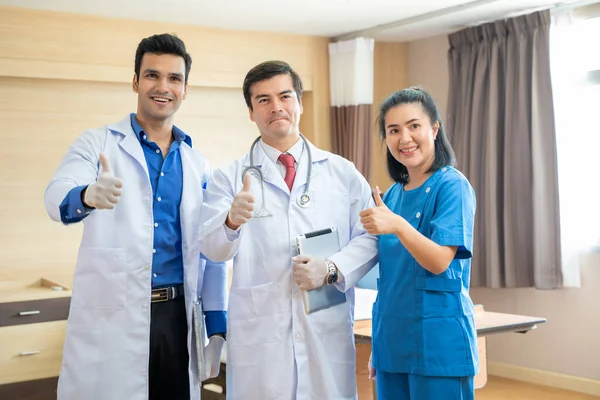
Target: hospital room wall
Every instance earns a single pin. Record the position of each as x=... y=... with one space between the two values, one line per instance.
x=63 y=73
x=568 y=343
x=390 y=74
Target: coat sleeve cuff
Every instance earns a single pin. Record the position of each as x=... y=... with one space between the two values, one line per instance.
x=216 y=322
x=232 y=235
x=72 y=209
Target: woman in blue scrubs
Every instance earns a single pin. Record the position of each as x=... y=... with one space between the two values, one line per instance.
x=424 y=336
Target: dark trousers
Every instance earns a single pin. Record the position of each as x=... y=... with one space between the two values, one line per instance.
x=168 y=373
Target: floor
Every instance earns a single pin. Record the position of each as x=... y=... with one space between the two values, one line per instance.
x=495 y=388
x=501 y=389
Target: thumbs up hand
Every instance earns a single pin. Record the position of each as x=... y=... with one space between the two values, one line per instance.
x=105 y=193
x=242 y=206
x=379 y=219
x=377 y=197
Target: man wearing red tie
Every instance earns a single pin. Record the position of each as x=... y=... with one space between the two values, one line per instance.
x=253 y=211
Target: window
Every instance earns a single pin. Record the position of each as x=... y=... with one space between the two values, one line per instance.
x=575 y=64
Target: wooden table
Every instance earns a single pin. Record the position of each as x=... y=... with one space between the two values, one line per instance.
x=487 y=323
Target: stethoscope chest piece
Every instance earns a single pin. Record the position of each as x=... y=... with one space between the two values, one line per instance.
x=304 y=200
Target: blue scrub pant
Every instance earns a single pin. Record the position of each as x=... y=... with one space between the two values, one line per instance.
x=394 y=386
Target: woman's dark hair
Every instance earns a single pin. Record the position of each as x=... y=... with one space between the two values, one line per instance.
x=162 y=44
x=267 y=70
x=443 y=153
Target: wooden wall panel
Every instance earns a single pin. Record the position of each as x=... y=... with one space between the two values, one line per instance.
x=61 y=74
x=70 y=46
x=391 y=74
x=42 y=117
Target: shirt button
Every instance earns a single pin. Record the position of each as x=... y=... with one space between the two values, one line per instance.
x=418 y=215
x=297 y=295
x=154 y=251
x=159 y=199
x=157 y=151
x=144 y=307
x=156 y=224
x=147 y=268
x=162 y=174
x=154 y=275
x=444 y=169
x=78 y=211
x=298 y=337
x=143 y=136
x=427 y=190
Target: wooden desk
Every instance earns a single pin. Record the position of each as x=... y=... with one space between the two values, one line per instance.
x=33 y=322
x=487 y=323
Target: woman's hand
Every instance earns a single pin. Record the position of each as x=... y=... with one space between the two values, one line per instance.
x=370 y=367
x=379 y=220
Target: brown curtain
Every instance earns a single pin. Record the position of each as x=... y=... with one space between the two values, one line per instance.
x=351 y=135
x=501 y=124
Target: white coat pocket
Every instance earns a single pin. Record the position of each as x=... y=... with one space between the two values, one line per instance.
x=333 y=321
x=254 y=315
x=100 y=280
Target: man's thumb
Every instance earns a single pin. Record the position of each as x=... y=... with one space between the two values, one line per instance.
x=247 y=182
x=378 y=201
x=104 y=163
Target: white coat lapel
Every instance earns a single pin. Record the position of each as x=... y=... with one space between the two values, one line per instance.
x=191 y=196
x=302 y=173
x=130 y=142
x=269 y=170
x=189 y=209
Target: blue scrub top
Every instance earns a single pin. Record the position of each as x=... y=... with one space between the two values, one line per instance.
x=423 y=323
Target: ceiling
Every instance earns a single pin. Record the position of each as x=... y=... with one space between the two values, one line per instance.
x=314 y=17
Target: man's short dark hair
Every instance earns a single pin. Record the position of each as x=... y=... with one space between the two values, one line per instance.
x=164 y=43
x=267 y=70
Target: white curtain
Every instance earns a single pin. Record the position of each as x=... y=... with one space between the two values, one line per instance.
x=351 y=72
x=351 y=83
x=573 y=54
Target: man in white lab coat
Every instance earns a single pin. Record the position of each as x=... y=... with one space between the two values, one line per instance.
x=138 y=187
x=274 y=349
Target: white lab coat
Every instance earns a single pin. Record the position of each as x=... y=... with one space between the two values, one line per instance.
x=274 y=350
x=106 y=349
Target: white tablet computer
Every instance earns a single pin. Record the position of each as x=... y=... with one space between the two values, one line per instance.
x=199 y=337
x=322 y=243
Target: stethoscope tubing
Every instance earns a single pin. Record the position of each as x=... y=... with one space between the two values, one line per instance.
x=304 y=199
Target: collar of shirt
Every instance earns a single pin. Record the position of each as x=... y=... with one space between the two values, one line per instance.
x=178 y=134
x=273 y=154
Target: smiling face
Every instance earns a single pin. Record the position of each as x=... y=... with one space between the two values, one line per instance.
x=410 y=137
x=160 y=86
x=276 y=110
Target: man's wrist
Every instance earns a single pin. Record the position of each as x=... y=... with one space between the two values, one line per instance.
x=230 y=224
x=332 y=273
x=83 y=192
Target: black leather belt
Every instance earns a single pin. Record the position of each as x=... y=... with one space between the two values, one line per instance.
x=166 y=293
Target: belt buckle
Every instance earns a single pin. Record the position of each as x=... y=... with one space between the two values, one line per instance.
x=162 y=294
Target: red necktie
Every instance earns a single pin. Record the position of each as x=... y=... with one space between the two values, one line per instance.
x=290 y=170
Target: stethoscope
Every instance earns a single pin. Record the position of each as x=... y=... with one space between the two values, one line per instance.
x=304 y=200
